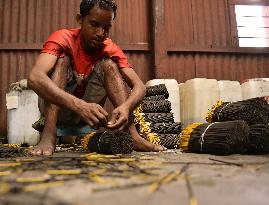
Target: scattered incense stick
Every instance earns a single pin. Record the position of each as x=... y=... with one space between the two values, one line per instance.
x=35 y=187
x=226 y=162
x=171 y=176
x=127 y=186
x=138 y=169
x=192 y=198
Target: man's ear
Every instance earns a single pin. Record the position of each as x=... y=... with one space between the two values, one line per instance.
x=79 y=19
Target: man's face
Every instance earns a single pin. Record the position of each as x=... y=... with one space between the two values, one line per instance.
x=95 y=28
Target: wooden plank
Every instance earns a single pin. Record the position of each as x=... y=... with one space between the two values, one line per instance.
x=4 y=82
x=234 y=33
x=242 y=50
x=6 y=28
x=229 y=24
x=135 y=47
x=1 y=19
x=39 y=20
x=38 y=46
x=250 y=2
x=31 y=19
x=159 y=39
x=14 y=21
x=21 y=46
x=22 y=26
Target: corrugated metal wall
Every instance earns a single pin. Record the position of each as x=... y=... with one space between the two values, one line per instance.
x=200 y=44
x=198 y=39
x=210 y=23
x=231 y=66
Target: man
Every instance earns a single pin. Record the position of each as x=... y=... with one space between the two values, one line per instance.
x=77 y=69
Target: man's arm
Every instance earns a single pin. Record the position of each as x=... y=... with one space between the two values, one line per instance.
x=43 y=85
x=137 y=86
x=39 y=81
x=120 y=114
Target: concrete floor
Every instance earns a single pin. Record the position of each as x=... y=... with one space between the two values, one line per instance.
x=132 y=179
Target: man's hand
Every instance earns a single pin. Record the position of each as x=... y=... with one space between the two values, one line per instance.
x=119 y=120
x=94 y=115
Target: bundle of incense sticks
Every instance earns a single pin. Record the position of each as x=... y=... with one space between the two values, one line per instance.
x=166 y=128
x=154 y=98
x=159 y=117
x=219 y=138
x=253 y=111
x=162 y=106
x=149 y=130
x=157 y=90
x=108 y=142
x=258 y=139
x=169 y=140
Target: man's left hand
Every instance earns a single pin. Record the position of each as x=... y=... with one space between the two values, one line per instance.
x=120 y=119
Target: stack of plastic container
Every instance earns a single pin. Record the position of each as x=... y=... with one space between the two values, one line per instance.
x=197 y=96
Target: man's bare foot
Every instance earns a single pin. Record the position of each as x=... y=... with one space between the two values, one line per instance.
x=140 y=144
x=46 y=146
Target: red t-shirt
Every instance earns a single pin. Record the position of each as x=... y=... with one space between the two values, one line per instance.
x=67 y=42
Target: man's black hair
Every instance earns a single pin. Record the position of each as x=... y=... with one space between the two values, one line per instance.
x=87 y=5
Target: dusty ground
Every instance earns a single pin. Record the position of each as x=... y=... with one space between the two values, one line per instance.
x=168 y=178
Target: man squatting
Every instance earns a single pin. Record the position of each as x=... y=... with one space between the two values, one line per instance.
x=75 y=72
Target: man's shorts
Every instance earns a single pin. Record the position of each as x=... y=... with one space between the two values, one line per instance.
x=95 y=93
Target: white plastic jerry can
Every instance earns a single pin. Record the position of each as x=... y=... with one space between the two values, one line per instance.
x=255 y=88
x=173 y=90
x=230 y=91
x=22 y=112
x=182 y=102
x=199 y=94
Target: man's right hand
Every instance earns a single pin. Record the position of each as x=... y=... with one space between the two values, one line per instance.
x=94 y=115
